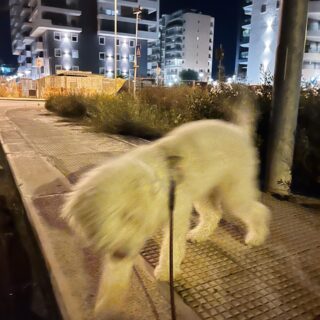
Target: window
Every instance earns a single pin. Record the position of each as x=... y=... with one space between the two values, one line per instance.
x=101 y=70
x=42 y=69
x=75 y=54
x=131 y=43
x=101 y=55
x=57 y=36
x=57 y=52
x=75 y=68
x=263 y=8
x=197 y=38
x=102 y=40
x=74 y=38
x=131 y=57
x=118 y=42
x=118 y=57
x=58 y=67
x=278 y=4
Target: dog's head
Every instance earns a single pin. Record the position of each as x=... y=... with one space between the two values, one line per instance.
x=116 y=207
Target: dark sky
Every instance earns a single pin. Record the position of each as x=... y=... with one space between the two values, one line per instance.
x=224 y=11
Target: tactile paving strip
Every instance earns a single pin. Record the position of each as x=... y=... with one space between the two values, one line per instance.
x=224 y=279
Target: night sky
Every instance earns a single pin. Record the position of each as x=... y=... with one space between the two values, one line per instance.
x=226 y=25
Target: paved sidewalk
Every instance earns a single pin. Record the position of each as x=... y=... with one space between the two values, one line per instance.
x=222 y=278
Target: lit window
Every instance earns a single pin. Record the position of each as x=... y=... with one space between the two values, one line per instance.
x=109 y=12
x=57 y=36
x=74 y=38
x=101 y=55
x=197 y=38
x=75 y=54
x=131 y=57
x=102 y=40
x=57 y=52
x=263 y=8
x=75 y=68
x=101 y=70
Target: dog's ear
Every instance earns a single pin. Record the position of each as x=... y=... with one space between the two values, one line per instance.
x=175 y=164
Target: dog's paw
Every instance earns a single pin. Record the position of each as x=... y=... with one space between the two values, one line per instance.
x=254 y=239
x=163 y=274
x=197 y=235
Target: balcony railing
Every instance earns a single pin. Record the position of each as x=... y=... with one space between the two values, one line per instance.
x=60 y=4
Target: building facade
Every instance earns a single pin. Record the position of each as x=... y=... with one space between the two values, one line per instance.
x=263 y=39
x=52 y=35
x=185 y=42
x=243 y=38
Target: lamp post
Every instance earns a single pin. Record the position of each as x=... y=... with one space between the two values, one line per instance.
x=137 y=12
x=115 y=44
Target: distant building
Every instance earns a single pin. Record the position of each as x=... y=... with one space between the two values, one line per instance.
x=241 y=63
x=263 y=38
x=185 y=42
x=53 y=35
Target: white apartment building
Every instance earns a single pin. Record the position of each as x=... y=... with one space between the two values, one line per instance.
x=262 y=45
x=186 y=42
x=52 y=35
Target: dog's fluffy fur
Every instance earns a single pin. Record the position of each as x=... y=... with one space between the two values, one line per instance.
x=119 y=205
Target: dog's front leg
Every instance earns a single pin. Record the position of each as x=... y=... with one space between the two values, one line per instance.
x=181 y=219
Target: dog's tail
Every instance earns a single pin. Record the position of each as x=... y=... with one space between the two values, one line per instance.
x=244 y=114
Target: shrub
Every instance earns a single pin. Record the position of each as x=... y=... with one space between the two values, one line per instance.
x=71 y=106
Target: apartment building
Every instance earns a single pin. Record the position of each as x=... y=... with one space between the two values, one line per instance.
x=186 y=42
x=262 y=44
x=51 y=35
x=242 y=51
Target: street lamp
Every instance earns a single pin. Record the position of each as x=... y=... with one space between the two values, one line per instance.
x=137 y=12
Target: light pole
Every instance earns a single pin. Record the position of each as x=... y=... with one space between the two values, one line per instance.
x=136 y=12
x=115 y=44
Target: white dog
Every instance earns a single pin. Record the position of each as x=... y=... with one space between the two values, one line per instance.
x=119 y=205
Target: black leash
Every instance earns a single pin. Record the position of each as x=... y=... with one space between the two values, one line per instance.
x=172 y=190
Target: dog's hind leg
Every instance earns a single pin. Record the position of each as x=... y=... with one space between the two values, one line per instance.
x=241 y=199
x=210 y=213
x=113 y=285
x=181 y=215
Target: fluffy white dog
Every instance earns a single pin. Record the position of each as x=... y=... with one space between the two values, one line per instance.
x=119 y=205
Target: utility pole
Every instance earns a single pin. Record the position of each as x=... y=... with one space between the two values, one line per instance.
x=286 y=95
x=115 y=44
x=137 y=12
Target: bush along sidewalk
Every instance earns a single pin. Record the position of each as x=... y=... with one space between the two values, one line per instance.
x=157 y=110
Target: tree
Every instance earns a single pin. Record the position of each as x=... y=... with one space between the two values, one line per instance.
x=189 y=75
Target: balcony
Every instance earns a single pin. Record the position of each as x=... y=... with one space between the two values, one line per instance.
x=174 y=48
x=61 y=4
x=21 y=58
x=314 y=10
x=25 y=11
x=313 y=35
x=125 y=29
x=312 y=57
x=41 y=25
x=38 y=46
x=248 y=10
